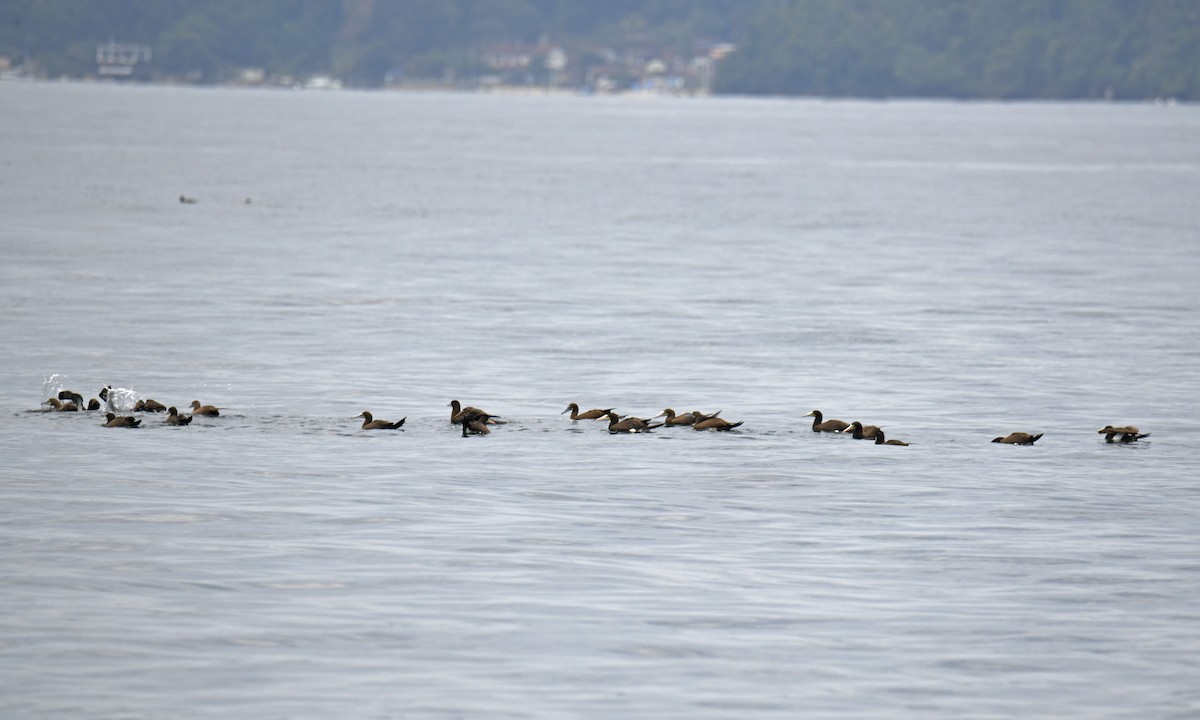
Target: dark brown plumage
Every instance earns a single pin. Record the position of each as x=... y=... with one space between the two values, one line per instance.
x=822 y=425
x=594 y=414
x=93 y=404
x=473 y=421
x=72 y=396
x=369 y=423
x=712 y=422
x=174 y=418
x=198 y=409
x=880 y=439
x=149 y=405
x=630 y=424
x=1018 y=438
x=126 y=421
x=457 y=412
x=1128 y=433
x=687 y=418
x=859 y=432
x=60 y=406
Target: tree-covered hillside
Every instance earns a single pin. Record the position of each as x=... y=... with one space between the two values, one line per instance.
x=970 y=48
x=867 y=48
x=360 y=41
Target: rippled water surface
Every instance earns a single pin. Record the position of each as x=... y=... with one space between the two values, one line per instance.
x=951 y=272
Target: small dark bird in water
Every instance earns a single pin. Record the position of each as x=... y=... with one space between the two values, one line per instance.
x=104 y=392
x=127 y=421
x=198 y=409
x=616 y=424
x=1128 y=433
x=149 y=406
x=72 y=396
x=185 y=200
x=881 y=440
x=712 y=422
x=822 y=425
x=174 y=418
x=1018 y=438
x=458 y=412
x=93 y=404
x=369 y=423
x=473 y=421
x=60 y=406
x=594 y=414
x=687 y=418
x=858 y=432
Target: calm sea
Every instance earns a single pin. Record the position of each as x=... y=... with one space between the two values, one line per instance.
x=951 y=272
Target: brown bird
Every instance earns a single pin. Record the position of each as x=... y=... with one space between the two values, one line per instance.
x=93 y=404
x=127 y=421
x=687 y=418
x=174 y=418
x=859 y=432
x=1128 y=433
x=1018 y=438
x=712 y=422
x=371 y=424
x=198 y=409
x=881 y=440
x=473 y=421
x=457 y=412
x=594 y=414
x=630 y=424
x=149 y=406
x=61 y=406
x=72 y=396
x=821 y=425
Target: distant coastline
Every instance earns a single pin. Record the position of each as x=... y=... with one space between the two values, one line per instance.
x=989 y=49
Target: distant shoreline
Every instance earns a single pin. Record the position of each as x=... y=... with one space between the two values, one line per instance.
x=435 y=88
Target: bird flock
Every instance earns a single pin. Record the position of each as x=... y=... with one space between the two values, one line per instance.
x=473 y=421
x=71 y=401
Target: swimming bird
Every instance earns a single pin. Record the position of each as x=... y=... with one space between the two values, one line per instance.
x=198 y=409
x=881 y=440
x=712 y=422
x=593 y=414
x=630 y=424
x=687 y=418
x=93 y=404
x=104 y=392
x=858 y=432
x=174 y=418
x=457 y=412
x=121 y=421
x=1018 y=438
x=474 y=421
x=187 y=200
x=371 y=424
x=60 y=406
x=821 y=425
x=149 y=406
x=1128 y=433
x=72 y=396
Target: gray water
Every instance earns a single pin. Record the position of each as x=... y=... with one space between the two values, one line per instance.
x=951 y=272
